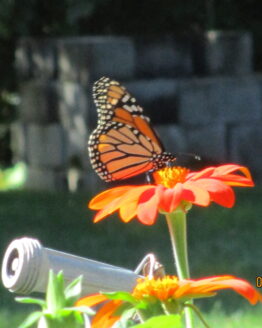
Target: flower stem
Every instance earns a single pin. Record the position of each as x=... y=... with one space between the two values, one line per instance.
x=193 y=307
x=176 y=222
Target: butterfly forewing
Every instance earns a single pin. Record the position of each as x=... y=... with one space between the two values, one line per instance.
x=124 y=144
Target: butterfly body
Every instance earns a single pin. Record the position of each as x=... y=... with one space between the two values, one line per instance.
x=124 y=144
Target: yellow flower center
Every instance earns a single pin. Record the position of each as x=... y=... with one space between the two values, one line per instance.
x=170 y=176
x=160 y=288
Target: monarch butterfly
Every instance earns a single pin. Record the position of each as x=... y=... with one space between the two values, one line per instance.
x=124 y=143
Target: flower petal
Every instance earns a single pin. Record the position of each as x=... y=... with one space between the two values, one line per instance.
x=243 y=288
x=129 y=204
x=237 y=180
x=171 y=198
x=230 y=168
x=128 y=211
x=194 y=193
x=205 y=173
x=148 y=205
x=91 y=300
x=105 y=197
x=104 y=317
x=212 y=284
x=220 y=193
x=113 y=206
x=223 y=172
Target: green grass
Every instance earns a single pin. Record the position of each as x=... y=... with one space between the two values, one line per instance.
x=221 y=241
x=12 y=319
x=244 y=318
x=247 y=317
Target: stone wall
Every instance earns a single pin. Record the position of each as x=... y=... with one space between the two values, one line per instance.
x=200 y=93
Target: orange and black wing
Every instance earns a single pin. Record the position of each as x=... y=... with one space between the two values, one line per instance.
x=123 y=144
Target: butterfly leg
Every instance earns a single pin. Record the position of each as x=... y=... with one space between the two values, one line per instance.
x=149 y=179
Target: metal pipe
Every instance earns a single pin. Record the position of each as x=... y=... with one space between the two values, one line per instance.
x=26 y=266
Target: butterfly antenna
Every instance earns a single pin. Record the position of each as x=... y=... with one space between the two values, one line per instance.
x=190 y=155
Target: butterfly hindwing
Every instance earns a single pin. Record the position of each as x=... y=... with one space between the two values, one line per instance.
x=117 y=152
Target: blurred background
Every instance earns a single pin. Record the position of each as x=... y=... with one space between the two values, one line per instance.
x=195 y=67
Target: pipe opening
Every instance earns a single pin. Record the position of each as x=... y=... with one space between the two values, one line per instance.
x=12 y=263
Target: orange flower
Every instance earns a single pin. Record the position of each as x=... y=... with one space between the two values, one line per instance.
x=170 y=287
x=175 y=188
x=104 y=317
x=169 y=290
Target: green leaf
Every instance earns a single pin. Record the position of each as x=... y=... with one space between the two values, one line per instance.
x=122 y=296
x=82 y=309
x=79 y=317
x=63 y=313
x=162 y=321
x=55 y=298
x=124 y=307
x=55 y=313
x=125 y=321
x=195 y=296
x=73 y=291
x=31 y=319
x=144 y=305
x=30 y=300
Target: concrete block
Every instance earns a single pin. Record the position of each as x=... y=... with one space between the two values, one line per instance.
x=158 y=97
x=46 y=145
x=19 y=141
x=76 y=149
x=41 y=178
x=74 y=106
x=50 y=179
x=224 y=52
x=246 y=147
x=173 y=138
x=36 y=58
x=209 y=142
x=165 y=57
x=228 y=100
x=39 y=102
x=75 y=117
x=76 y=142
x=92 y=183
x=85 y=59
x=45 y=179
x=23 y=60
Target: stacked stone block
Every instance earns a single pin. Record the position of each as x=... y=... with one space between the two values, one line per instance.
x=56 y=113
x=216 y=115
x=210 y=109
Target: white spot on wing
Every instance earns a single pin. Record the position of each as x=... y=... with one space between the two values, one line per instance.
x=126 y=98
x=128 y=108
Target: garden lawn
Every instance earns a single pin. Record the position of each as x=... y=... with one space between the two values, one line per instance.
x=221 y=241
